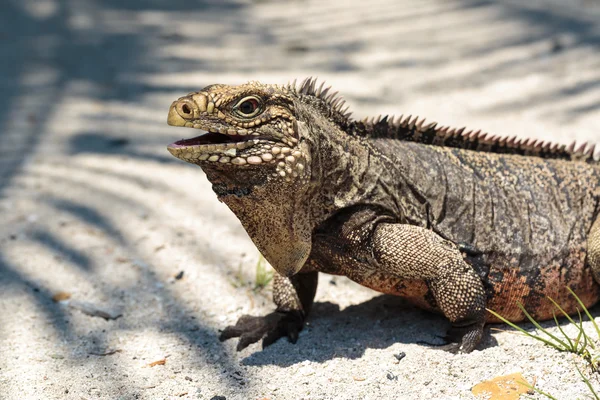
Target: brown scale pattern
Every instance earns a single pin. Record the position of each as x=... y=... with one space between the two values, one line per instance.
x=514 y=286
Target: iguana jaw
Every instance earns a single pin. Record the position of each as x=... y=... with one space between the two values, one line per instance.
x=215 y=147
x=220 y=145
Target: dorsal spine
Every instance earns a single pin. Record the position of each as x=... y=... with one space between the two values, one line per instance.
x=413 y=129
x=416 y=130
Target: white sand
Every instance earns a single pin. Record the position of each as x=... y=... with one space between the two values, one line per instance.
x=92 y=204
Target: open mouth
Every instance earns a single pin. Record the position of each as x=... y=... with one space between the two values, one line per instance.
x=219 y=147
x=211 y=138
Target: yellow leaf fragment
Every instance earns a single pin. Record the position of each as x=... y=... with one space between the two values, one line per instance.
x=507 y=387
x=155 y=363
x=61 y=296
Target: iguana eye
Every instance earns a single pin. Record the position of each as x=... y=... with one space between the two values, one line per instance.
x=248 y=107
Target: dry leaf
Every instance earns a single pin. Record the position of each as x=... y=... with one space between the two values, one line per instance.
x=159 y=362
x=507 y=387
x=61 y=296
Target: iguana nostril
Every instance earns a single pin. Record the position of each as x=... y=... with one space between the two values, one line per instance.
x=185 y=109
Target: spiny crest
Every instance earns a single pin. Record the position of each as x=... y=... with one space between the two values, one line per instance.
x=332 y=101
x=414 y=130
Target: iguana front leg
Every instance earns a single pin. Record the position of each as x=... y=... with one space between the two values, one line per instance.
x=294 y=298
x=412 y=252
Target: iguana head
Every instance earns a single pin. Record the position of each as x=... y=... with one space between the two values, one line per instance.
x=247 y=127
x=256 y=149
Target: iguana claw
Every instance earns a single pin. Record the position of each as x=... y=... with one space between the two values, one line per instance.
x=250 y=329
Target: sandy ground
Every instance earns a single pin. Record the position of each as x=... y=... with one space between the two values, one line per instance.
x=92 y=204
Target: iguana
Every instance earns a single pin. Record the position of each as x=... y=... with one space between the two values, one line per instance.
x=454 y=221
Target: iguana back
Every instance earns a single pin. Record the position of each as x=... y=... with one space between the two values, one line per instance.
x=526 y=219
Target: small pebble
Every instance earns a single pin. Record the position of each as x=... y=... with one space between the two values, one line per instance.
x=306 y=370
x=400 y=355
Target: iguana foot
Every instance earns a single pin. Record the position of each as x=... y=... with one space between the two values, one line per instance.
x=269 y=328
x=463 y=338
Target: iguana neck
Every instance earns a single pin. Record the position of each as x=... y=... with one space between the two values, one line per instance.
x=346 y=171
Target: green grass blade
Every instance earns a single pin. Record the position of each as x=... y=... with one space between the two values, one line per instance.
x=572 y=347
x=561 y=310
x=581 y=332
x=537 y=325
x=587 y=382
x=523 y=331
x=263 y=274
x=586 y=311
x=531 y=387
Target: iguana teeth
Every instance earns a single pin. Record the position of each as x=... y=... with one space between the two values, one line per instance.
x=254 y=160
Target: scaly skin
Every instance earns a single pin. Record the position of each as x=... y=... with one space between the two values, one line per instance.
x=455 y=222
